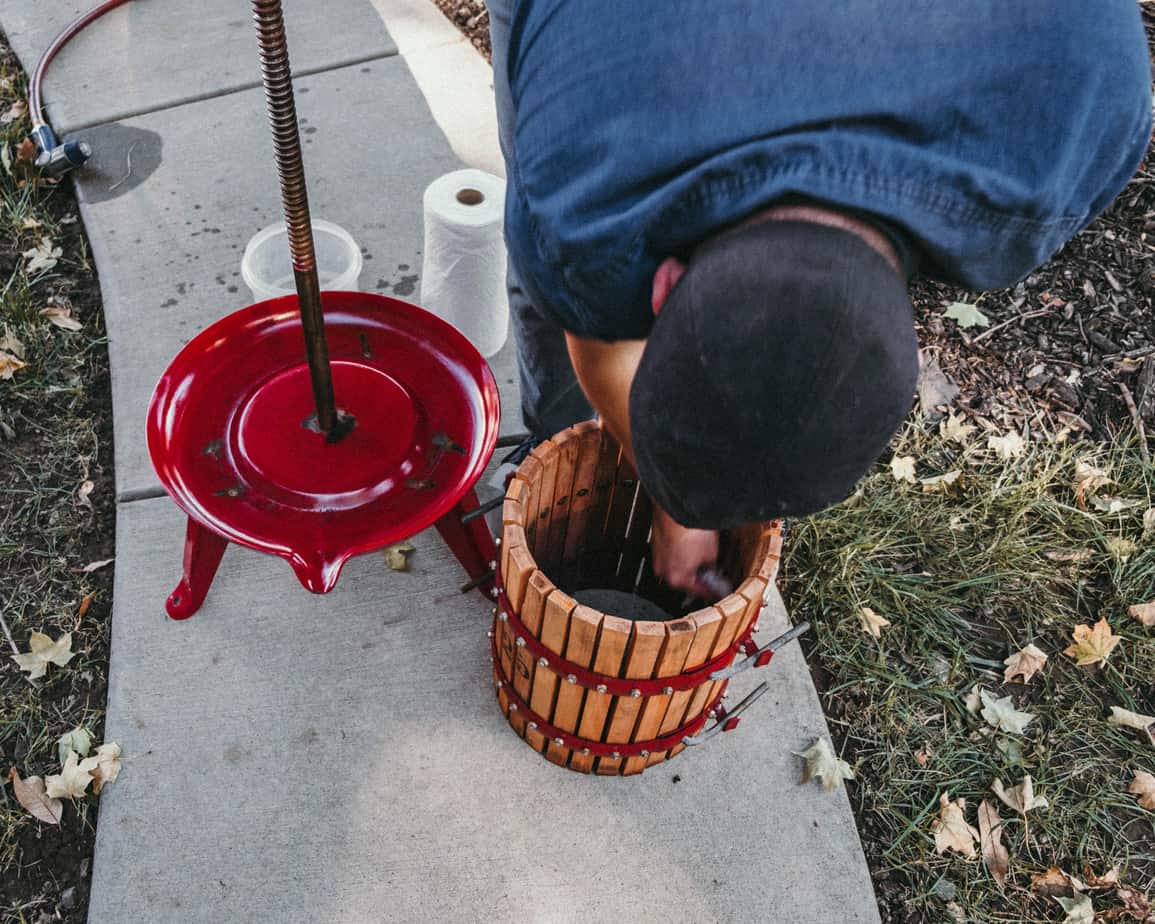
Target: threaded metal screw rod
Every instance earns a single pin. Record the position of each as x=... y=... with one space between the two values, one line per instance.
x=274 y=55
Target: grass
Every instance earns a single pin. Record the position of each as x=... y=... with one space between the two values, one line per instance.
x=55 y=433
x=966 y=579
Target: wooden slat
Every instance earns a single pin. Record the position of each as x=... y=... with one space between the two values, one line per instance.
x=568 y=444
x=520 y=568
x=611 y=651
x=679 y=638
x=582 y=502
x=529 y=473
x=553 y=633
x=645 y=649
x=707 y=623
x=580 y=644
x=513 y=521
x=531 y=614
x=636 y=543
x=592 y=559
x=621 y=505
x=546 y=455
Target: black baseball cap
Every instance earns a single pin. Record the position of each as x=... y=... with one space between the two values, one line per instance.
x=776 y=372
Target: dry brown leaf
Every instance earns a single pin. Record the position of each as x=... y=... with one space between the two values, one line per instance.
x=1148 y=523
x=922 y=756
x=1024 y=663
x=1121 y=548
x=30 y=794
x=1088 y=480
x=1108 y=880
x=1079 y=909
x=1000 y=713
x=902 y=468
x=1020 y=798
x=397 y=556
x=822 y=763
x=42 y=651
x=1143 y=786
x=1007 y=447
x=1136 y=904
x=995 y=856
x=73 y=780
x=941 y=484
x=1070 y=555
x=107 y=766
x=93 y=566
x=955 y=430
x=44 y=256
x=1125 y=718
x=61 y=317
x=950 y=829
x=1143 y=613
x=871 y=622
x=10 y=365
x=10 y=343
x=1055 y=882
x=1092 y=646
x=82 y=493
x=974 y=699
x=13 y=112
x=26 y=154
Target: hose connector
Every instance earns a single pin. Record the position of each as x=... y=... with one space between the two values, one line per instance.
x=55 y=158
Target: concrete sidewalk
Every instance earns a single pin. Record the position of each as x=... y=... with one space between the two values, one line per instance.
x=340 y=758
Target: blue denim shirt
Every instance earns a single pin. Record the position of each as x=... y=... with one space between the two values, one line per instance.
x=990 y=131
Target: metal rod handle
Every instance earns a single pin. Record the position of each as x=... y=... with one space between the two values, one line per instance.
x=274 y=55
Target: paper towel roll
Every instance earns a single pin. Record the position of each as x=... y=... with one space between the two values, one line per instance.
x=463 y=276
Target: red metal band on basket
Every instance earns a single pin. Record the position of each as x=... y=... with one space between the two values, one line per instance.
x=618 y=686
x=601 y=748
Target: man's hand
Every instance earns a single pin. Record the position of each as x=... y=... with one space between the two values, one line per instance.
x=679 y=553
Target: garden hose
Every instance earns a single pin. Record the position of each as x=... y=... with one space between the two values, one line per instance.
x=56 y=157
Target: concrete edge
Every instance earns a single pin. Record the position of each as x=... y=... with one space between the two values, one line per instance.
x=454 y=78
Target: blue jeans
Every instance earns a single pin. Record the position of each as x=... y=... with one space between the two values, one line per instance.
x=551 y=398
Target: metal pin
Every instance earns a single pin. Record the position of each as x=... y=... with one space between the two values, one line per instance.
x=489 y=633
x=493 y=593
x=542 y=662
x=558 y=742
x=570 y=678
x=493 y=566
x=513 y=707
x=666 y=691
x=520 y=642
x=616 y=755
x=498 y=682
x=503 y=616
x=585 y=752
x=532 y=726
x=644 y=754
x=601 y=688
x=635 y=693
x=497 y=541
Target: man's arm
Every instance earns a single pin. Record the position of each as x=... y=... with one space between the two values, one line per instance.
x=606 y=372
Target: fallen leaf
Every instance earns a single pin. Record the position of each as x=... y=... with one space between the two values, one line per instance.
x=397 y=556
x=922 y=756
x=1111 y=505
x=61 y=317
x=956 y=912
x=1055 y=882
x=995 y=856
x=107 y=766
x=30 y=794
x=871 y=622
x=78 y=740
x=1125 y=718
x=1136 y=904
x=935 y=389
x=1149 y=523
x=1092 y=645
x=1011 y=750
x=82 y=493
x=941 y=484
x=1121 y=549
x=902 y=468
x=1021 y=798
x=1143 y=786
x=822 y=763
x=42 y=652
x=1007 y=447
x=13 y=112
x=1025 y=663
x=10 y=343
x=950 y=829
x=44 y=256
x=9 y=365
x=1143 y=612
x=73 y=780
x=973 y=699
x=1088 y=479
x=1108 y=880
x=1070 y=555
x=1079 y=909
x=93 y=566
x=966 y=315
x=1001 y=713
x=955 y=430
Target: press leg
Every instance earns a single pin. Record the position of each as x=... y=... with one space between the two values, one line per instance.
x=470 y=543
x=202 y=554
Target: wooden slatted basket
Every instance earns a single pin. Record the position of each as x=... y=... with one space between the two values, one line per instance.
x=593 y=691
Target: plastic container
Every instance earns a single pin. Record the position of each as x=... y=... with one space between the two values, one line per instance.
x=267 y=267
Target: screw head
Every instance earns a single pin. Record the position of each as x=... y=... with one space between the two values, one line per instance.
x=601 y=688
x=503 y=616
x=513 y=707
x=558 y=742
x=635 y=693
x=644 y=754
x=667 y=690
x=532 y=726
x=498 y=682
x=493 y=566
x=489 y=633
x=616 y=755
x=570 y=678
x=493 y=593
x=585 y=752
x=520 y=642
x=497 y=541
x=542 y=662
x=725 y=694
